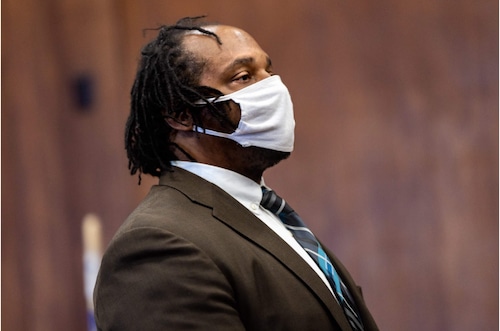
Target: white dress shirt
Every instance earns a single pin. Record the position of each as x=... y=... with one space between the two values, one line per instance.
x=249 y=194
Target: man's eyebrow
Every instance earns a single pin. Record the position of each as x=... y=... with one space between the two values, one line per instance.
x=239 y=62
x=244 y=61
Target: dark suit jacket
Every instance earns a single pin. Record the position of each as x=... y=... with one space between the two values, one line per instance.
x=190 y=257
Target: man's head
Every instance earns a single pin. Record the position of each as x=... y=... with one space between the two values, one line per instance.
x=182 y=68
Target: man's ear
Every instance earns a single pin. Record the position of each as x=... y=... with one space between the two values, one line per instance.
x=181 y=122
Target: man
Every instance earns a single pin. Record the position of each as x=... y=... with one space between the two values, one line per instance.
x=208 y=117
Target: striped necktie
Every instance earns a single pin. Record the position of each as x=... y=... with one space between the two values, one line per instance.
x=272 y=202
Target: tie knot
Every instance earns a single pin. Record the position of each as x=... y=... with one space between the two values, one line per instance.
x=271 y=201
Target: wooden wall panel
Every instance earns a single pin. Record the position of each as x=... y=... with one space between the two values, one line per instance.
x=59 y=160
x=396 y=160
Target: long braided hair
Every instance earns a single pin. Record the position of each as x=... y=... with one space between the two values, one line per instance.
x=166 y=85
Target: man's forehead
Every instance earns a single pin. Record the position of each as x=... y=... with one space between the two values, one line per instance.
x=216 y=29
x=229 y=36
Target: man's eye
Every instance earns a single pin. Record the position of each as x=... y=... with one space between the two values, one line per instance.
x=242 y=77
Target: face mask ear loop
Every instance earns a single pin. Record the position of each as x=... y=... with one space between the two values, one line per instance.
x=198 y=129
x=208 y=101
x=209 y=132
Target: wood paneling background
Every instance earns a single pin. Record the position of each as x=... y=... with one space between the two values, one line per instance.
x=396 y=160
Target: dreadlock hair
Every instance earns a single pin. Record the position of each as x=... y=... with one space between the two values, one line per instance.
x=166 y=85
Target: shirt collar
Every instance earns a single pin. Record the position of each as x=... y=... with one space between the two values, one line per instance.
x=243 y=189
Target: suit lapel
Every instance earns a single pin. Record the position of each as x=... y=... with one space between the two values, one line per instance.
x=233 y=214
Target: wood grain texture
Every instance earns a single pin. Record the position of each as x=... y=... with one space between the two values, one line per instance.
x=395 y=166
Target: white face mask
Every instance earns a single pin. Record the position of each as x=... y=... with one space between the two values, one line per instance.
x=266 y=116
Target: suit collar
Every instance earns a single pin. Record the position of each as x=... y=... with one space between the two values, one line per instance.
x=247 y=225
